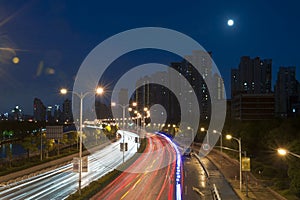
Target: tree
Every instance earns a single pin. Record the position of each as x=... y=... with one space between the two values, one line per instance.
x=30 y=143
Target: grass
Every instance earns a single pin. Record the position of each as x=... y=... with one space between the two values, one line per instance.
x=31 y=162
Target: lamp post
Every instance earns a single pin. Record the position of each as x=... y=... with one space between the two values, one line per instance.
x=81 y=96
x=202 y=129
x=221 y=139
x=41 y=145
x=284 y=152
x=144 y=117
x=113 y=104
x=229 y=137
x=193 y=136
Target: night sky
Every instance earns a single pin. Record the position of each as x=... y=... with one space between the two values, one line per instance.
x=52 y=37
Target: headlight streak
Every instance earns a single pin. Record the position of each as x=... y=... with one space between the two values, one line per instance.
x=178 y=169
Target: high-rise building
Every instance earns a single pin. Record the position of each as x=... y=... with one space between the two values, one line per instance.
x=251 y=89
x=219 y=87
x=57 y=113
x=286 y=91
x=49 y=116
x=16 y=114
x=123 y=96
x=39 y=110
x=187 y=82
x=67 y=111
x=253 y=76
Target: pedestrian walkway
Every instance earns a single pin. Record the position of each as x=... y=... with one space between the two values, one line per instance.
x=230 y=169
x=216 y=178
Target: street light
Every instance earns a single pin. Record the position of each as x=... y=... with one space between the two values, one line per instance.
x=113 y=104
x=81 y=96
x=202 y=129
x=229 y=137
x=145 y=116
x=221 y=139
x=284 y=152
x=189 y=128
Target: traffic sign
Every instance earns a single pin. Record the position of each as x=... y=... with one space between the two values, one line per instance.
x=85 y=164
x=76 y=164
x=246 y=164
x=54 y=132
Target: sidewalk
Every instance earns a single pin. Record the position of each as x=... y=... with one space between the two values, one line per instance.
x=230 y=169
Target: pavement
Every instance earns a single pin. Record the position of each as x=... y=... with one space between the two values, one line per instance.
x=225 y=190
x=196 y=184
x=230 y=169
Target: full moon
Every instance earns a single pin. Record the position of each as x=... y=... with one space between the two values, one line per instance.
x=230 y=22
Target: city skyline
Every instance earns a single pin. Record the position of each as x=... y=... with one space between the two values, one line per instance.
x=52 y=38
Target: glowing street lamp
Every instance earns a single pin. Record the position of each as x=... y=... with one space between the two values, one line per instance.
x=284 y=152
x=202 y=129
x=113 y=104
x=221 y=139
x=229 y=137
x=81 y=96
x=193 y=136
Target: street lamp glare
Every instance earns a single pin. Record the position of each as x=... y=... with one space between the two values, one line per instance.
x=215 y=131
x=63 y=91
x=113 y=104
x=99 y=90
x=228 y=137
x=134 y=104
x=282 y=151
x=202 y=129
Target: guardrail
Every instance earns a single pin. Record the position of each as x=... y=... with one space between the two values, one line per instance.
x=214 y=189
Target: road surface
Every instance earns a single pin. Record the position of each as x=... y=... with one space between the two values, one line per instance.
x=61 y=182
x=151 y=177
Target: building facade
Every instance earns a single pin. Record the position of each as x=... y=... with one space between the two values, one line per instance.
x=286 y=92
x=39 y=110
x=67 y=111
x=251 y=89
x=253 y=106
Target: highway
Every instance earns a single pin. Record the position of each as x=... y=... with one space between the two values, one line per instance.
x=151 y=177
x=62 y=181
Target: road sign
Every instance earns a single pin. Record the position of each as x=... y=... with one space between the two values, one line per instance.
x=76 y=164
x=246 y=164
x=54 y=132
x=85 y=164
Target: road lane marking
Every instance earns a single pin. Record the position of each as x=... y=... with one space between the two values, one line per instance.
x=198 y=191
